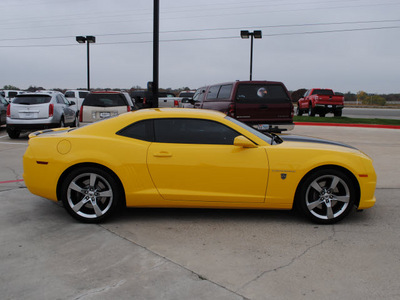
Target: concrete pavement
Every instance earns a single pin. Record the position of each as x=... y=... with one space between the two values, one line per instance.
x=203 y=254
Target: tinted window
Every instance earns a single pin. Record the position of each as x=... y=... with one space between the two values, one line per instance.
x=12 y=94
x=322 y=92
x=260 y=93
x=105 y=100
x=225 y=91
x=142 y=130
x=69 y=94
x=32 y=99
x=186 y=95
x=213 y=92
x=83 y=94
x=193 y=131
x=264 y=136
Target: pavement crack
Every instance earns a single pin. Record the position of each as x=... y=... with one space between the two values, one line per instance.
x=101 y=289
x=197 y=275
x=293 y=260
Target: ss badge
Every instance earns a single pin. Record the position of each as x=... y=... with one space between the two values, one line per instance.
x=283 y=176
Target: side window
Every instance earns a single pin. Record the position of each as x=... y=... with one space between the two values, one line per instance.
x=193 y=131
x=83 y=94
x=142 y=130
x=69 y=94
x=198 y=95
x=225 y=91
x=213 y=92
x=59 y=99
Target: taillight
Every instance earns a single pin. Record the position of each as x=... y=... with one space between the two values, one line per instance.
x=144 y=100
x=51 y=109
x=81 y=114
x=9 y=110
x=128 y=108
x=176 y=103
x=231 y=110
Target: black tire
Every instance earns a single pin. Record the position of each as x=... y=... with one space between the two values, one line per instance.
x=62 y=123
x=322 y=114
x=311 y=111
x=338 y=113
x=13 y=133
x=90 y=194
x=326 y=196
x=299 y=112
x=76 y=122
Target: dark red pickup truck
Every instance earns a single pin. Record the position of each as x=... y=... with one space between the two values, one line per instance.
x=320 y=101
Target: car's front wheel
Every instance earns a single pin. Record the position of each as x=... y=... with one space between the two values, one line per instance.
x=90 y=194
x=327 y=196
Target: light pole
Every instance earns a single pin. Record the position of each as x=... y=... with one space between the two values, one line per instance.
x=245 y=34
x=87 y=39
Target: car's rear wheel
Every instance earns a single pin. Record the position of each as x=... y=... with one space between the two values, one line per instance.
x=327 y=196
x=338 y=113
x=90 y=194
x=13 y=133
x=299 y=112
x=311 y=111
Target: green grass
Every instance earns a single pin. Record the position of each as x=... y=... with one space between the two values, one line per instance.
x=346 y=120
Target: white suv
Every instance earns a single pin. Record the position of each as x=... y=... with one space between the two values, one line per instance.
x=41 y=110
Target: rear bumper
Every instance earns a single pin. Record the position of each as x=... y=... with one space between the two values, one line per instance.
x=328 y=107
x=31 y=124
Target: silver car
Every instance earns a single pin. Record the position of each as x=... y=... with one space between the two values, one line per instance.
x=40 y=110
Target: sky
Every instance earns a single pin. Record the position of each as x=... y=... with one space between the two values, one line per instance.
x=349 y=46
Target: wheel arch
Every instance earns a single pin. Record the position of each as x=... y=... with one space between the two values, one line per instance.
x=339 y=168
x=84 y=165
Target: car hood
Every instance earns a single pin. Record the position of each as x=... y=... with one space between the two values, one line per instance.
x=306 y=139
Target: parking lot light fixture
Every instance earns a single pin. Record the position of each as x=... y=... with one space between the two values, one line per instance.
x=88 y=40
x=245 y=34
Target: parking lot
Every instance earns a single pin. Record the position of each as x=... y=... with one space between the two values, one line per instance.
x=202 y=254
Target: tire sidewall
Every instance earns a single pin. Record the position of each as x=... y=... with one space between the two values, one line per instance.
x=116 y=190
x=301 y=201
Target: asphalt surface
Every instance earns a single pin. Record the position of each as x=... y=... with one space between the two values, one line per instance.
x=371 y=113
x=202 y=254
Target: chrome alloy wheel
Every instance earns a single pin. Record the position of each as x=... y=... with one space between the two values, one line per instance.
x=327 y=197
x=90 y=195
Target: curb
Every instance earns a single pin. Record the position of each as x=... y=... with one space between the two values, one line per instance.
x=348 y=125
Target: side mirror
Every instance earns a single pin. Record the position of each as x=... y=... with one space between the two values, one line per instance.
x=244 y=142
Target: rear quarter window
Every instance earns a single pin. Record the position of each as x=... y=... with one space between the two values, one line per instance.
x=261 y=93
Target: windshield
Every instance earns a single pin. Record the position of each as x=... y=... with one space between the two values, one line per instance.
x=265 y=137
x=32 y=99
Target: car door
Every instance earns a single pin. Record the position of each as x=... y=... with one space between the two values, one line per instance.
x=195 y=160
x=69 y=112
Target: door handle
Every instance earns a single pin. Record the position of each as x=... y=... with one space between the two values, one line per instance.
x=162 y=154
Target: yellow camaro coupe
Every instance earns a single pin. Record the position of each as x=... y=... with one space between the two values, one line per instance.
x=192 y=158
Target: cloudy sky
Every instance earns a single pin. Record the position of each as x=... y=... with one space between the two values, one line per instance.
x=349 y=45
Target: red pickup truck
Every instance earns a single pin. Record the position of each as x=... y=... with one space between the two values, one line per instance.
x=320 y=101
